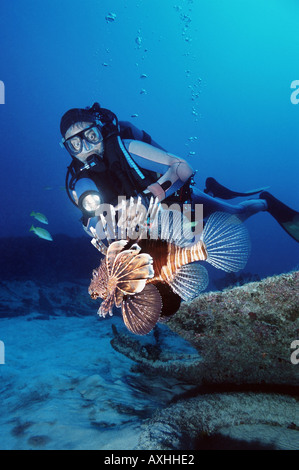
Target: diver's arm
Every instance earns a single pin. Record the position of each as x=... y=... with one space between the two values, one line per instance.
x=175 y=171
x=131 y=132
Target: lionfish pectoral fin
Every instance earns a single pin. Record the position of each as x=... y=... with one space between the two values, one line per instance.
x=131 y=266
x=131 y=271
x=132 y=287
x=142 y=311
x=106 y=306
x=113 y=250
x=118 y=297
x=189 y=281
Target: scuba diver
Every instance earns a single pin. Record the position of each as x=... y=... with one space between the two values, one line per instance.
x=112 y=158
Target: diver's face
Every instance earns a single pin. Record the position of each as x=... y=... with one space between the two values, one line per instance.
x=84 y=139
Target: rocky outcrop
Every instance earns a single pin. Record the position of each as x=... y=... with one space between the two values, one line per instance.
x=236 y=387
x=224 y=421
x=153 y=359
x=243 y=336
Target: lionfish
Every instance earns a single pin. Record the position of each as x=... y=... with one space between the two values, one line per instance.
x=149 y=277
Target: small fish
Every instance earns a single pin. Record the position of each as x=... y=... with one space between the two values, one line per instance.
x=40 y=217
x=147 y=279
x=110 y=17
x=41 y=233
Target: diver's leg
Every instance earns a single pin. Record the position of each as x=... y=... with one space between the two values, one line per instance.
x=287 y=218
x=215 y=189
x=243 y=209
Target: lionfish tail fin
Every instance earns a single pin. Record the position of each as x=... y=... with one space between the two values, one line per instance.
x=142 y=311
x=226 y=242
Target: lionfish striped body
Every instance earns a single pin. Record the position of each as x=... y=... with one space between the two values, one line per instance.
x=169 y=258
x=148 y=278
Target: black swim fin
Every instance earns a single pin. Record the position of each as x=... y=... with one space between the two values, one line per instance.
x=287 y=218
x=215 y=189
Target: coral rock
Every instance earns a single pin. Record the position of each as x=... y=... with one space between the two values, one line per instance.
x=244 y=334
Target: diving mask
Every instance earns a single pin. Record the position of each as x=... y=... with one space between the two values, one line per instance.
x=83 y=140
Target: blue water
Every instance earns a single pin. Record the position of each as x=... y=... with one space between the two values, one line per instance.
x=66 y=54
x=217 y=72
x=231 y=63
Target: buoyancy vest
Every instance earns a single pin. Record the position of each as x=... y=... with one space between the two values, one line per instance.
x=116 y=174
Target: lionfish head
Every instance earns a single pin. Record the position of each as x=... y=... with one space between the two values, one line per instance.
x=121 y=273
x=99 y=283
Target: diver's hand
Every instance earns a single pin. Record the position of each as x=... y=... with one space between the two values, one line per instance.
x=155 y=190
